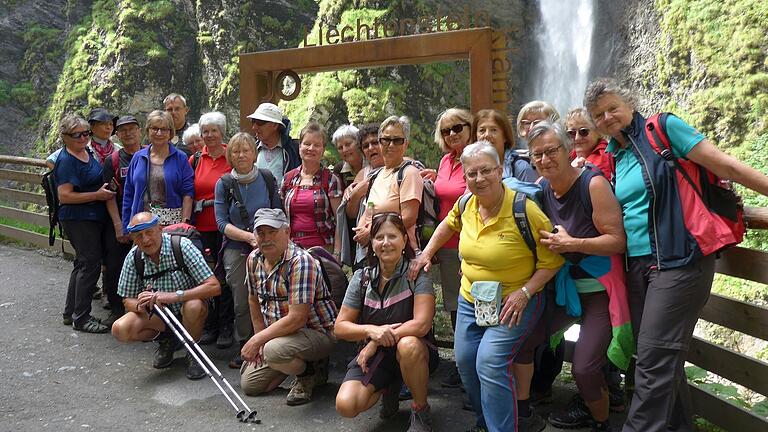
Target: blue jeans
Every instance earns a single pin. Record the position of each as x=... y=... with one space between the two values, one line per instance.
x=484 y=357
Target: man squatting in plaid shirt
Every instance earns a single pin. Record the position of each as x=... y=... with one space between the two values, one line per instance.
x=292 y=314
x=185 y=293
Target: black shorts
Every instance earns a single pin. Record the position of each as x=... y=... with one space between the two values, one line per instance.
x=388 y=369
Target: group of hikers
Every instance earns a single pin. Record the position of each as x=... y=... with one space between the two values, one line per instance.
x=592 y=224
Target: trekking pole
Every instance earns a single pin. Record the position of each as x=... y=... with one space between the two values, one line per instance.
x=243 y=415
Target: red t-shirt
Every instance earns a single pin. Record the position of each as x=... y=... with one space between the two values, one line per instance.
x=207 y=173
x=449 y=186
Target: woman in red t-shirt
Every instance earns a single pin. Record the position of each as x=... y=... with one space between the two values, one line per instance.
x=209 y=165
x=588 y=146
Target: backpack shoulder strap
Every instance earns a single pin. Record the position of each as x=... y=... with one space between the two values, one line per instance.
x=521 y=219
x=371 y=178
x=656 y=131
x=138 y=263
x=271 y=183
x=463 y=200
x=195 y=159
x=178 y=254
x=401 y=171
x=232 y=193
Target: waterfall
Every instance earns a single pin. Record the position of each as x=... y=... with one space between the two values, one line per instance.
x=564 y=42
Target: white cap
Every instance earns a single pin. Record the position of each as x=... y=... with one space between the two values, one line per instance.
x=268 y=112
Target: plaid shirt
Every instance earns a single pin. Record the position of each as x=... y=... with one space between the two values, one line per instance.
x=296 y=279
x=130 y=285
x=325 y=217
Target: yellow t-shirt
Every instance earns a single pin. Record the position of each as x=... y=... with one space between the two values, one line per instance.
x=497 y=251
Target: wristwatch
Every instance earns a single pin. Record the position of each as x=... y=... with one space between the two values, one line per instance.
x=180 y=295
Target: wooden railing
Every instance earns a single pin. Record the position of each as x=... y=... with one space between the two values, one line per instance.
x=21 y=186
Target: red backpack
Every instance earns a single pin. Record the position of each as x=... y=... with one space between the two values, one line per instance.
x=702 y=193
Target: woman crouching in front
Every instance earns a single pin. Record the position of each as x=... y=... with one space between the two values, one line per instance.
x=499 y=304
x=393 y=316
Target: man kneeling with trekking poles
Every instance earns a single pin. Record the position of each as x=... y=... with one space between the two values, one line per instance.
x=292 y=314
x=157 y=278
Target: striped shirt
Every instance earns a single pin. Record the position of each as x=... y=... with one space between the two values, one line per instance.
x=130 y=285
x=296 y=279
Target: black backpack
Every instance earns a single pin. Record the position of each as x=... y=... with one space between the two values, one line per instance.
x=334 y=277
x=52 y=200
x=177 y=232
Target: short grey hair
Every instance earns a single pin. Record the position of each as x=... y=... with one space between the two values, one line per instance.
x=603 y=86
x=556 y=128
x=579 y=113
x=346 y=131
x=463 y=115
x=173 y=96
x=213 y=118
x=401 y=121
x=537 y=107
x=480 y=148
x=70 y=121
x=191 y=132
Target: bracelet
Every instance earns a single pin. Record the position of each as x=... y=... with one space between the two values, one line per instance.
x=526 y=292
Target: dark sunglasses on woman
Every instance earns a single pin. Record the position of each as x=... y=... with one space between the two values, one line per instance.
x=457 y=128
x=78 y=135
x=583 y=132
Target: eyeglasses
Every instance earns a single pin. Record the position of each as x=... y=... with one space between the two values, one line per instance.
x=157 y=130
x=526 y=124
x=396 y=141
x=550 y=152
x=78 y=135
x=583 y=132
x=258 y=122
x=485 y=172
x=457 y=128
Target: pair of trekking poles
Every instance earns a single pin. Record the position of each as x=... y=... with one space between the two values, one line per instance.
x=244 y=413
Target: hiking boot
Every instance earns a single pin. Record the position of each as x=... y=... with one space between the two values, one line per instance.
x=576 y=416
x=209 y=336
x=166 y=346
x=453 y=380
x=225 y=339
x=532 y=423
x=616 y=399
x=237 y=360
x=193 y=371
x=92 y=325
x=66 y=319
x=601 y=427
x=466 y=404
x=113 y=316
x=301 y=390
x=390 y=402
x=421 y=420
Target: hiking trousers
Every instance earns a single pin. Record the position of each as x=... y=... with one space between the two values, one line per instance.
x=92 y=241
x=665 y=307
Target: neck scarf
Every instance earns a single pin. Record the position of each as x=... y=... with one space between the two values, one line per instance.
x=102 y=150
x=245 y=178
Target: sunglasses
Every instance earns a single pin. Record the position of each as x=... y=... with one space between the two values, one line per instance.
x=259 y=122
x=78 y=135
x=457 y=128
x=396 y=141
x=583 y=132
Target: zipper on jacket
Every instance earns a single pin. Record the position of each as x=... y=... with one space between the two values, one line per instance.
x=644 y=164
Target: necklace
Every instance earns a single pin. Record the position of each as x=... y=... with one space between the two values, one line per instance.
x=495 y=208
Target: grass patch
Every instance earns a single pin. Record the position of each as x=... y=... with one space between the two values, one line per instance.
x=24 y=225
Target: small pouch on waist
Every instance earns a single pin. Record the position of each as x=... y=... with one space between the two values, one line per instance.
x=487 y=295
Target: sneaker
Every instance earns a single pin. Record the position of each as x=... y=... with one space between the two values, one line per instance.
x=225 y=338
x=166 y=346
x=66 y=319
x=532 y=423
x=92 y=325
x=209 y=336
x=236 y=362
x=193 y=371
x=301 y=390
x=421 y=420
x=453 y=380
x=602 y=427
x=576 y=416
x=390 y=401
x=113 y=316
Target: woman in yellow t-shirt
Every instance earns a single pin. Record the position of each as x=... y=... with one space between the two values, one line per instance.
x=493 y=250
